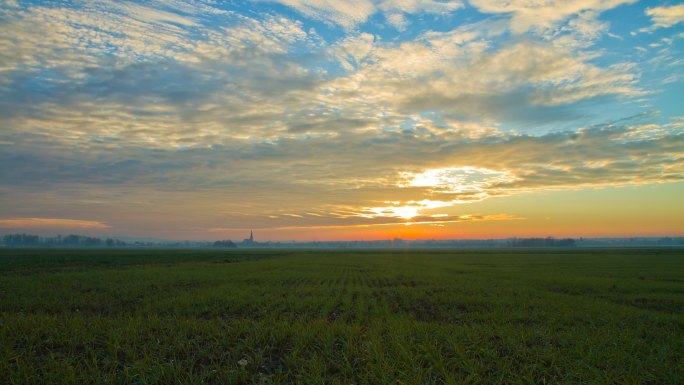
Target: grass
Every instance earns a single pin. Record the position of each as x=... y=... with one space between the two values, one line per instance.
x=341 y=317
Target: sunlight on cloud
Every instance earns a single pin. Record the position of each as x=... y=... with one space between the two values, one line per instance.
x=653 y=131
x=405 y=212
x=465 y=78
x=385 y=221
x=410 y=210
x=458 y=179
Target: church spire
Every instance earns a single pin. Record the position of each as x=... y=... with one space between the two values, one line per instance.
x=251 y=236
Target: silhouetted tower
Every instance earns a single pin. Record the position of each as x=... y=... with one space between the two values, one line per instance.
x=249 y=241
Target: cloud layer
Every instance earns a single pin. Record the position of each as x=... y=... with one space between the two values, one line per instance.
x=219 y=116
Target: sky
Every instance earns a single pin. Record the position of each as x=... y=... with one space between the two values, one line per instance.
x=342 y=120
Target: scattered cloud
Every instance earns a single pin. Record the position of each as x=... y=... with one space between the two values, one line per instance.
x=395 y=11
x=350 y=14
x=463 y=78
x=665 y=17
x=529 y=14
x=347 y=14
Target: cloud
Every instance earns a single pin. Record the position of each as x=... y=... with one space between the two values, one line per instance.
x=350 y=14
x=456 y=74
x=71 y=38
x=467 y=181
x=581 y=31
x=51 y=223
x=236 y=72
x=397 y=20
x=664 y=17
x=344 y=13
x=395 y=11
x=417 y=6
x=129 y=112
x=269 y=79
x=349 y=179
x=352 y=51
x=365 y=223
x=529 y=14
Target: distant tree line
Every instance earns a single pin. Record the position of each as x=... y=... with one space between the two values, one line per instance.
x=543 y=242
x=71 y=240
x=226 y=243
x=29 y=240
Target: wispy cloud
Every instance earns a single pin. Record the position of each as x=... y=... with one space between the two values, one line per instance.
x=51 y=224
x=527 y=14
x=349 y=14
x=344 y=13
x=421 y=220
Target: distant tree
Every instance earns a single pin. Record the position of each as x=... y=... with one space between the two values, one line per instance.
x=72 y=240
x=21 y=240
x=225 y=243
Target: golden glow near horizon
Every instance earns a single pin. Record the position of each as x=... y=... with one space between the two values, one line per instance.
x=437 y=119
x=410 y=210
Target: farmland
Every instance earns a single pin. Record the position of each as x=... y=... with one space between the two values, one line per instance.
x=327 y=317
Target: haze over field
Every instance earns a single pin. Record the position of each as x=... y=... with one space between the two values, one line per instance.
x=366 y=119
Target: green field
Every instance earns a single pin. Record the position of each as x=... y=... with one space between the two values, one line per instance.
x=341 y=317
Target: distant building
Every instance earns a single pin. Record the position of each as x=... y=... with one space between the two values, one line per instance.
x=249 y=241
